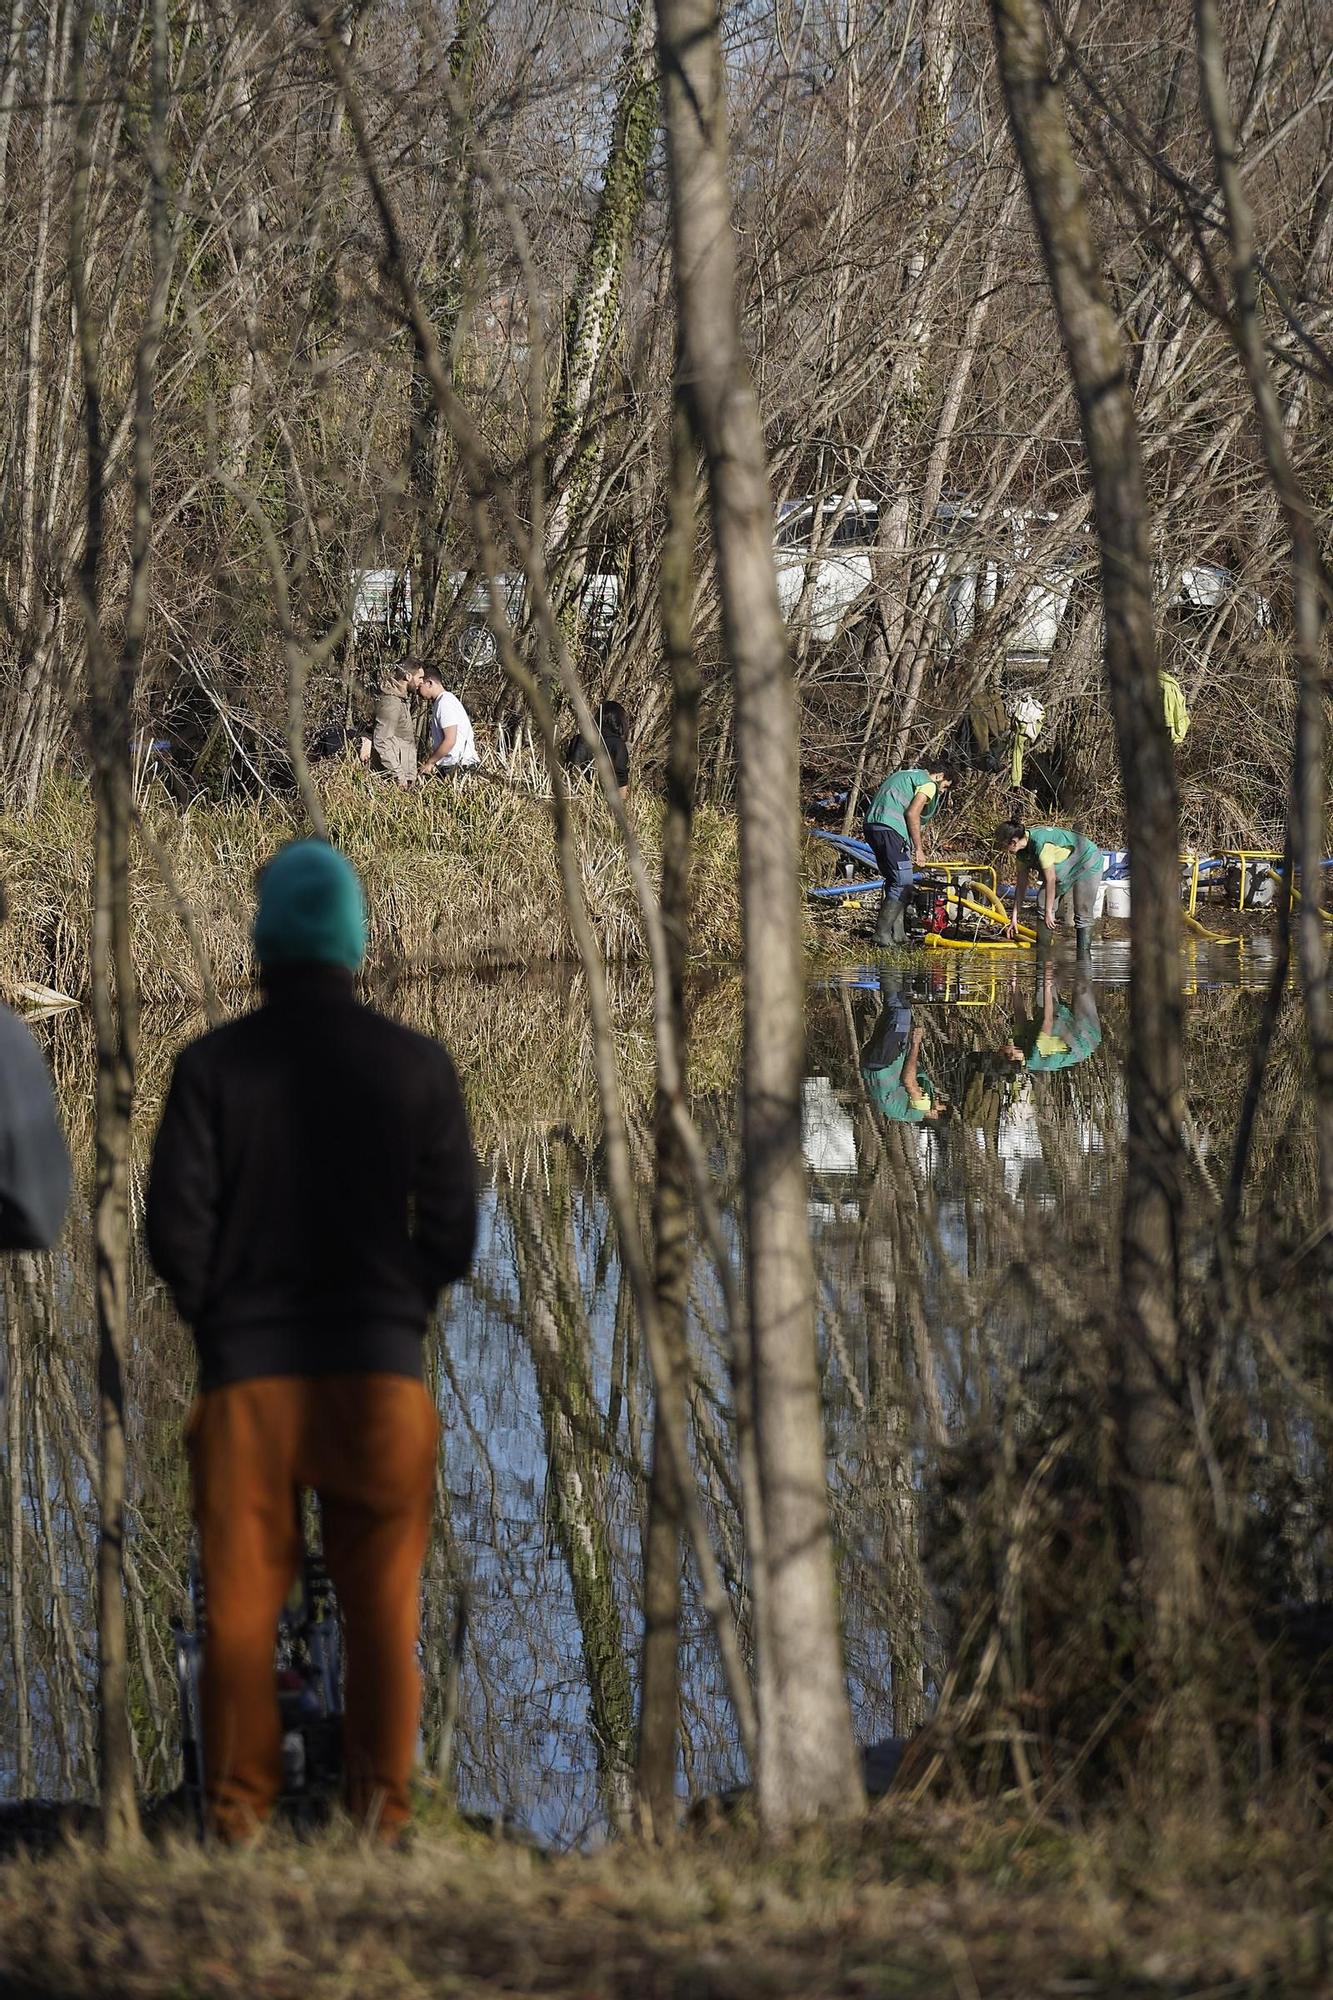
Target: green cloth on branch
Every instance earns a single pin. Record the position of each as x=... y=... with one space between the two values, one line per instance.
x=1174 y=708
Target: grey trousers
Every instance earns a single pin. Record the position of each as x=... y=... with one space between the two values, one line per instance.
x=1083 y=895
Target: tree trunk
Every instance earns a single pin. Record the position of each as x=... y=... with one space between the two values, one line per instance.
x=1147 y=1360
x=659 y=1699
x=807 y=1761
x=559 y=1340
x=29 y=733
x=111 y=682
x=1310 y=590
x=594 y=314
x=900 y=519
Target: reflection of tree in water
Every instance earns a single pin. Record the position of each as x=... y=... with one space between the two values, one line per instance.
x=957 y=1266
x=51 y=1525
x=554 y=1316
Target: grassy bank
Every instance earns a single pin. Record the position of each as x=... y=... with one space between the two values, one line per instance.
x=457 y=877
x=921 y=1903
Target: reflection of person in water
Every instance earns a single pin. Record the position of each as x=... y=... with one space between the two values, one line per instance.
x=1058 y=1035
x=891 y=1068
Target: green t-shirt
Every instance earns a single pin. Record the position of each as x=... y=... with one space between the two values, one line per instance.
x=1072 y=855
x=895 y=795
x=888 y=1093
x=1070 y=1041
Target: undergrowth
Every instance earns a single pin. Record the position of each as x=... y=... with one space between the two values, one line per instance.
x=460 y=876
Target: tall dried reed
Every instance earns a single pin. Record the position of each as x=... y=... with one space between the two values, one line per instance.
x=458 y=876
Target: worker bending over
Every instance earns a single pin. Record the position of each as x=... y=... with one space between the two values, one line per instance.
x=894 y=823
x=1070 y=866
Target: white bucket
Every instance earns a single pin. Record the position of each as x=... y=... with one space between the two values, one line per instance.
x=1116 y=903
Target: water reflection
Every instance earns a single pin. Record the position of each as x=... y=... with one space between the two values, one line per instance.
x=959 y=1120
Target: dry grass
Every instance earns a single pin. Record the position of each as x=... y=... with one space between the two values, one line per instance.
x=922 y=1902
x=457 y=877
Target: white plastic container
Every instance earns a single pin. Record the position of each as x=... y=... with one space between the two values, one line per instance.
x=1116 y=899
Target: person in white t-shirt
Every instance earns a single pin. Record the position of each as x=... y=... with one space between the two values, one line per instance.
x=453 y=747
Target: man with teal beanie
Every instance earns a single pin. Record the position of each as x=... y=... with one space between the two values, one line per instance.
x=313 y=1189
x=894 y=823
x=312 y=909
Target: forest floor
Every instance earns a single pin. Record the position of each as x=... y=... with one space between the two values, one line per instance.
x=921 y=1901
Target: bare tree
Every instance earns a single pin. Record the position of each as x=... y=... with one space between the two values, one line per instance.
x=112 y=679
x=807 y=1765
x=659 y=1698
x=1312 y=593
x=1148 y=1350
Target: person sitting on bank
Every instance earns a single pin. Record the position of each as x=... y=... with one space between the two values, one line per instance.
x=393 y=737
x=312 y=1190
x=894 y=822
x=613 y=726
x=1058 y=1035
x=452 y=745
x=1070 y=866
x=895 y=1079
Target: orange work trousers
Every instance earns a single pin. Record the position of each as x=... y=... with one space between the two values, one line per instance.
x=367 y=1445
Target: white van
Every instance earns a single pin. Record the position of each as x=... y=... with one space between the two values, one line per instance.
x=825 y=589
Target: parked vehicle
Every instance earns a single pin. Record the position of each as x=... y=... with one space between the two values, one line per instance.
x=382 y=604
x=825 y=577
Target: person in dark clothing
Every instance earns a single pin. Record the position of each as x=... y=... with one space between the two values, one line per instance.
x=34 y=1160
x=613 y=725
x=313 y=1188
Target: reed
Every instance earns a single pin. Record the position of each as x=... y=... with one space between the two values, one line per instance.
x=458 y=877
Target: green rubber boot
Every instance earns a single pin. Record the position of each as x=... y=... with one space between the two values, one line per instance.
x=891 y=928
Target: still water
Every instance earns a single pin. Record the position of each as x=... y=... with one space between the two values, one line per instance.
x=963 y=1133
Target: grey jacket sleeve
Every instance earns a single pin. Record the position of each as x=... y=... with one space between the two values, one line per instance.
x=34 y=1160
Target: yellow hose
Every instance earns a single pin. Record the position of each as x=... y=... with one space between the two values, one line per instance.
x=997 y=914
x=938 y=943
x=1213 y=937
x=1297 y=896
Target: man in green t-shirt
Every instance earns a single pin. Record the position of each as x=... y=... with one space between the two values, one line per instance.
x=891 y=1069
x=1059 y=1035
x=1070 y=866
x=894 y=821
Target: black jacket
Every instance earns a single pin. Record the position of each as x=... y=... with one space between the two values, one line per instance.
x=313 y=1187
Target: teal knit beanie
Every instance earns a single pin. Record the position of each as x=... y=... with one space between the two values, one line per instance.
x=312 y=910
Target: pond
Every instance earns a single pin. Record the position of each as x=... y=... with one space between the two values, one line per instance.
x=963 y=1131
